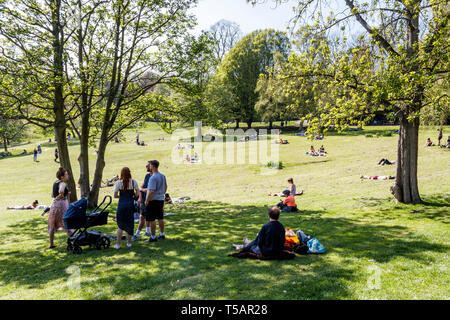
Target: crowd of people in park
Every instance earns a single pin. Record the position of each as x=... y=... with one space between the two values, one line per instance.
x=151 y=196
x=429 y=143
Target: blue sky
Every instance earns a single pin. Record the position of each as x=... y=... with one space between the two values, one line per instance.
x=249 y=18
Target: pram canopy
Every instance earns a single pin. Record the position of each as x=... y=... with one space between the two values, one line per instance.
x=75 y=216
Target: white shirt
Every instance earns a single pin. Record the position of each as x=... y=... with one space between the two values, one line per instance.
x=132 y=185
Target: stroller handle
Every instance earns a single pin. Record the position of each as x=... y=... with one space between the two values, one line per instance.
x=104 y=199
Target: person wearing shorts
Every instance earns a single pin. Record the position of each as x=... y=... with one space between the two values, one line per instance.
x=142 y=209
x=154 y=202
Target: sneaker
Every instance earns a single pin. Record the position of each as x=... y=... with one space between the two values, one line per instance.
x=152 y=240
x=162 y=237
x=148 y=234
x=116 y=246
x=129 y=245
x=135 y=238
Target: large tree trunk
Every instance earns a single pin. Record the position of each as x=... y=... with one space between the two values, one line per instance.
x=406 y=188
x=237 y=124
x=58 y=102
x=83 y=158
x=249 y=124
x=5 y=144
x=98 y=174
x=64 y=158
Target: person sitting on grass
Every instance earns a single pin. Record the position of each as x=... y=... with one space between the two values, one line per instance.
x=270 y=239
x=288 y=205
x=386 y=161
x=429 y=143
x=377 y=177
x=312 y=152
x=322 y=151
x=448 y=142
x=292 y=190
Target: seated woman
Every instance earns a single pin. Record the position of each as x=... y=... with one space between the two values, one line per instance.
x=33 y=205
x=429 y=143
x=288 y=205
x=291 y=188
x=270 y=239
x=377 y=177
x=312 y=152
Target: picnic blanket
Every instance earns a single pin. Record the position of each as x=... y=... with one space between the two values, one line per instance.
x=283 y=255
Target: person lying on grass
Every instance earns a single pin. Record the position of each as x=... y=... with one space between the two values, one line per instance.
x=270 y=239
x=288 y=205
x=292 y=190
x=377 y=177
x=34 y=205
x=386 y=161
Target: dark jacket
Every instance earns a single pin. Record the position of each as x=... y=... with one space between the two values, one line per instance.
x=271 y=238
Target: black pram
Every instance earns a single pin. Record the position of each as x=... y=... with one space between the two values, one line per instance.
x=77 y=218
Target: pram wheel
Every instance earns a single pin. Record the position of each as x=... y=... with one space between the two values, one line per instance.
x=103 y=243
x=77 y=249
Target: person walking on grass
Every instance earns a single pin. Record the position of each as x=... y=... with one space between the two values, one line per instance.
x=56 y=154
x=35 y=152
x=154 y=201
x=59 y=205
x=439 y=136
x=142 y=208
x=124 y=190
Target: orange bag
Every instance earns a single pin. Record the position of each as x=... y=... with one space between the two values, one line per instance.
x=291 y=238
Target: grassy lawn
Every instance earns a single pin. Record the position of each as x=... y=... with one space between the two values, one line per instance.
x=366 y=234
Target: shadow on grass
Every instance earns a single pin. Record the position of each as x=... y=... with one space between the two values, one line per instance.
x=193 y=262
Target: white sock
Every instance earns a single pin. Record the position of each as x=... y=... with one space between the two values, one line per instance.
x=161 y=233
x=137 y=232
x=153 y=236
x=147 y=229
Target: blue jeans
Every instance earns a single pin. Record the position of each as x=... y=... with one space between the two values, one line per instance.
x=252 y=247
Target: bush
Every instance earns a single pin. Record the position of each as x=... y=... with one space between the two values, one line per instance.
x=278 y=165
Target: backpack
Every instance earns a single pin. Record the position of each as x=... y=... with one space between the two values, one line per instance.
x=314 y=246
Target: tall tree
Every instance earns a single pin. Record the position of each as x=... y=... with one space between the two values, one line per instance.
x=240 y=69
x=151 y=45
x=225 y=34
x=34 y=36
x=409 y=52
